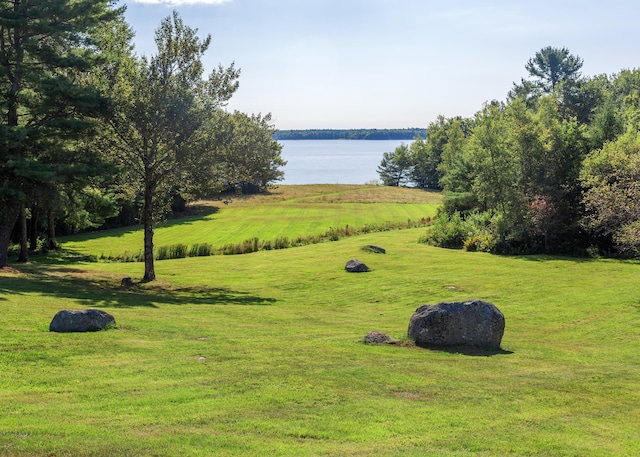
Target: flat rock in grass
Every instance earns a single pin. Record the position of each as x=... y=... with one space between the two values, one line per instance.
x=87 y=320
x=474 y=323
x=375 y=249
x=355 y=266
x=378 y=337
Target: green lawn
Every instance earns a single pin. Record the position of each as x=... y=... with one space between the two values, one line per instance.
x=262 y=354
x=288 y=211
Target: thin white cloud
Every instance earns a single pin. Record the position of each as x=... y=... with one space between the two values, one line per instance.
x=180 y=2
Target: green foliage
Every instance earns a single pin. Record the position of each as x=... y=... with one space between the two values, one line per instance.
x=160 y=118
x=440 y=155
x=479 y=243
x=474 y=231
x=449 y=231
x=461 y=202
x=425 y=159
x=455 y=167
x=612 y=195
x=550 y=67
x=49 y=104
x=396 y=167
x=248 y=158
x=522 y=159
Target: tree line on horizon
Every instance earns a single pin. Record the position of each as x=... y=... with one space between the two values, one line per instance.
x=555 y=168
x=350 y=134
x=92 y=132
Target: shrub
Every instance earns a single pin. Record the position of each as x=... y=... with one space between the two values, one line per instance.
x=448 y=231
x=472 y=232
x=481 y=243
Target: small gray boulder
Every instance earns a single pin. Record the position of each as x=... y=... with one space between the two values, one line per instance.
x=474 y=323
x=375 y=249
x=88 y=320
x=378 y=337
x=355 y=266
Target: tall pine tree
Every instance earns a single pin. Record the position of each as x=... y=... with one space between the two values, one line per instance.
x=45 y=47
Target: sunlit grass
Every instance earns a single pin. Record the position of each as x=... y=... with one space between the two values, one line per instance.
x=288 y=211
x=262 y=354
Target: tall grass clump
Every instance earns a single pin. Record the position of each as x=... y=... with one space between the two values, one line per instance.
x=200 y=250
x=282 y=242
x=174 y=251
x=178 y=251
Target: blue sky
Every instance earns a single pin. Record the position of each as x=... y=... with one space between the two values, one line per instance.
x=389 y=63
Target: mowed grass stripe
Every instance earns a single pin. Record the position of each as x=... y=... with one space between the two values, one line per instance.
x=259 y=217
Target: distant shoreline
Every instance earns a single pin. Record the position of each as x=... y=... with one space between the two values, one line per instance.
x=351 y=134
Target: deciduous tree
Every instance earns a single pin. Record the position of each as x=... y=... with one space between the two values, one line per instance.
x=160 y=118
x=247 y=157
x=395 y=167
x=611 y=177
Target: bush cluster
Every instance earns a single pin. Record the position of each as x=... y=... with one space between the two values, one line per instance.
x=474 y=231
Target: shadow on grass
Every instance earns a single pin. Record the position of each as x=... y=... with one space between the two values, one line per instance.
x=193 y=214
x=466 y=350
x=88 y=290
x=576 y=259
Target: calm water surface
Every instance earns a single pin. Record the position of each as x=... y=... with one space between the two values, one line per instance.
x=334 y=161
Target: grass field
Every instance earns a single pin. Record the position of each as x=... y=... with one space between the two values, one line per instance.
x=262 y=354
x=288 y=211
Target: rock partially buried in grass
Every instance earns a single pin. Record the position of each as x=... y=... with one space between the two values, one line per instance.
x=355 y=266
x=88 y=320
x=474 y=323
x=375 y=249
x=378 y=337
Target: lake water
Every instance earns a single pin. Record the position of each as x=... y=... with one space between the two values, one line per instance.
x=334 y=161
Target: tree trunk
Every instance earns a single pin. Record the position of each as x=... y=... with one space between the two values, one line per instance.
x=34 y=228
x=8 y=218
x=52 y=244
x=24 y=249
x=147 y=220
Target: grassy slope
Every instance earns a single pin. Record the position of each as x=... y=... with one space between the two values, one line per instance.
x=261 y=354
x=289 y=211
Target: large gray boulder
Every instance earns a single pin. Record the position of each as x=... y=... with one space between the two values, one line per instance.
x=88 y=320
x=474 y=323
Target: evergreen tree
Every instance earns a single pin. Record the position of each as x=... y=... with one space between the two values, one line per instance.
x=551 y=66
x=45 y=47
